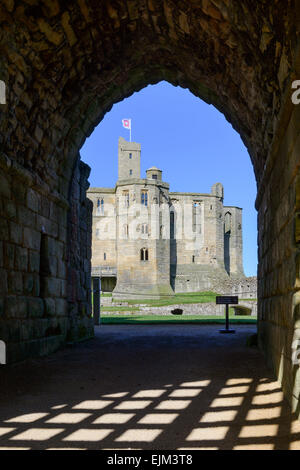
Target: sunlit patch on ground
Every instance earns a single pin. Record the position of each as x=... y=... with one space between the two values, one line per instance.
x=199 y=409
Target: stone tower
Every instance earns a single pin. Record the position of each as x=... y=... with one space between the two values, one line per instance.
x=154 y=242
x=233 y=241
x=142 y=247
x=129 y=154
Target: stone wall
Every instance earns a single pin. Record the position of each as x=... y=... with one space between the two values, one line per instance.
x=244 y=288
x=79 y=256
x=35 y=286
x=278 y=204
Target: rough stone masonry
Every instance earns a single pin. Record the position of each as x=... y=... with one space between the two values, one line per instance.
x=64 y=65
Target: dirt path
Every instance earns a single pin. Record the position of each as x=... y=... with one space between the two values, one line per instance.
x=147 y=387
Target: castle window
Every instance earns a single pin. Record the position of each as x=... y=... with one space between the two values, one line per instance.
x=125 y=230
x=130 y=156
x=193 y=259
x=130 y=172
x=172 y=225
x=144 y=254
x=104 y=256
x=196 y=217
x=126 y=198
x=154 y=177
x=144 y=198
x=144 y=228
x=227 y=222
x=100 y=206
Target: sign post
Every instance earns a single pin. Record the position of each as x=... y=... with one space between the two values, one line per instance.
x=227 y=300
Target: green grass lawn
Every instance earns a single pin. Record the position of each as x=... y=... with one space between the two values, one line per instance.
x=186 y=298
x=109 y=319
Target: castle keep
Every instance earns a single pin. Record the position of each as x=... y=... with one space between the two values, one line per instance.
x=148 y=241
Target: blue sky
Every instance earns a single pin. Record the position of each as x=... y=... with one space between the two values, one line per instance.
x=189 y=140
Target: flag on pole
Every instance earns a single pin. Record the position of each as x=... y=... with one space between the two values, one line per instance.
x=127 y=124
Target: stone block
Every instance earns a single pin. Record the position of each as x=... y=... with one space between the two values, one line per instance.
x=5 y=189
x=32 y=239
x=9 y=255
x=15 y=307
x=45 y=207
x=32 y=200
x=51 y=287
x=9 y=208
x=21 y=258
x=15 y=282
x=15 y=334
x=61 y=307
x=26 y=217
x=19 y=191
x=3 y=282
x=64 y=289
x=52 y=263
x=4 y=231
x=31 y=282
x=34 y=261
x=26 y=330
x=35 y=307
x=15 y=233
x=50 y=307
x=62 y=269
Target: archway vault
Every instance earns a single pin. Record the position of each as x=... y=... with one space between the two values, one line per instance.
x=64 y=65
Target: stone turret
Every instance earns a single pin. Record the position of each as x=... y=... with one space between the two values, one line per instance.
x=154 y=173
x=129 y=154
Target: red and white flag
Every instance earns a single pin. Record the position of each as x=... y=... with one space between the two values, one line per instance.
x=126 y=123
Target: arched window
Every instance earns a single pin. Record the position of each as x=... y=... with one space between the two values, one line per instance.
x=125 y=230
x=100 y=206
x=144 y=198
x=145 y=229
x=144 y=254
x=126 y=198
x=172 y=225
x=227 y=222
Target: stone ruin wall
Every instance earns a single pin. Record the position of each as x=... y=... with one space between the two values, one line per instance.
x=244 y=288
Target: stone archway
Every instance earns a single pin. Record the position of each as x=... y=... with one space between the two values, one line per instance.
x=64 y=66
